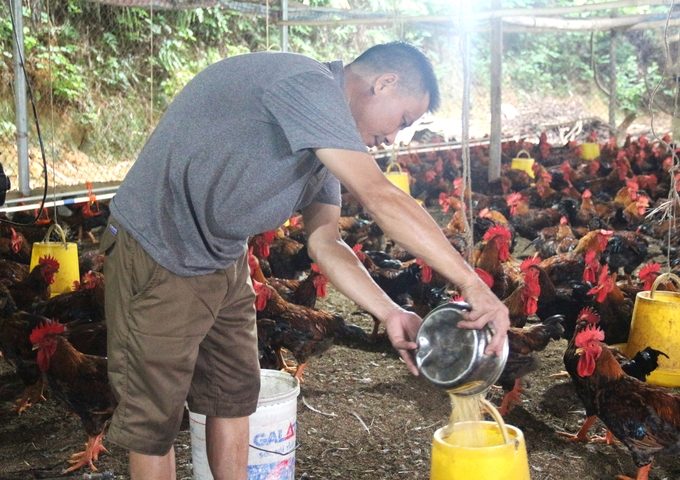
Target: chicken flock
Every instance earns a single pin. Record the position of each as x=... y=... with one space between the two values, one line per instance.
x=592 y=230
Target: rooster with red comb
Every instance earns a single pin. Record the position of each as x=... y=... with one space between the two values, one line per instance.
x=80 y=382
x=645 y=418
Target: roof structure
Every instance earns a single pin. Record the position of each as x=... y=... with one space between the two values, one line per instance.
x=514 y=20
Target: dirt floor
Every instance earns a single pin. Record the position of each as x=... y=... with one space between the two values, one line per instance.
x=360 y=415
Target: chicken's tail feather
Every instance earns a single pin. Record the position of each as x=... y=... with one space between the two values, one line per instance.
x=352 y=334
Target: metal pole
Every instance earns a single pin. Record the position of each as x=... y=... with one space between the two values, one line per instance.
x=20 y=100
x=613 y=101
x=494 y=172
x=284 y=28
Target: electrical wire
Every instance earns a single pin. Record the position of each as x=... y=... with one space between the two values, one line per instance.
x=19 y=50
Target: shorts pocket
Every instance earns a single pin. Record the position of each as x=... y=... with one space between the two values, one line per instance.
x=108 y=239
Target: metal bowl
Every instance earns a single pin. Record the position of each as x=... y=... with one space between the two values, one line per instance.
x=453 y=358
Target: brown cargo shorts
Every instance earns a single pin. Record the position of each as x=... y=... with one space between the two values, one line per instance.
x=172 y=339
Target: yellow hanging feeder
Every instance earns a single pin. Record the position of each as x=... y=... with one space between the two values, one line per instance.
x=399 y=178
x=66 y=253
x=523 y=163
x=656 y=323
x=590 y=151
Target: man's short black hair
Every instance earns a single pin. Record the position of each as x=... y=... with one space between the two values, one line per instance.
x=413 y=67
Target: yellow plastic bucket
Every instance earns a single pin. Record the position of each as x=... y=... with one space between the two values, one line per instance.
x=590 y=151
x=399 y=178
x=498 y=460
x=503 y=455
x=66 y=253
x=523 y=163
x=656 y=324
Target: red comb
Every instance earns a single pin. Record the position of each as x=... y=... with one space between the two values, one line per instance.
x=531 y=282
x=514 y=198
x=49 y=327
x=528 y=262
x=497 y=230
x=589 y=315
x=648 y=269
x=649 y=273
x=591 y=332
x=49 y=260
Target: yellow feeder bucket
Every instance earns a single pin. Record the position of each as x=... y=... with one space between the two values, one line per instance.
x=590 y=151
x=399 y=178
x=523 y=163
x=656 y=323
x=503 y=455
x=66 y=253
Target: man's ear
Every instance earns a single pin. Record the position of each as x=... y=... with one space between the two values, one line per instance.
x=385 y=82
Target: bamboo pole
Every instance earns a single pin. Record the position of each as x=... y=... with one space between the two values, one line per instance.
x=494 y=172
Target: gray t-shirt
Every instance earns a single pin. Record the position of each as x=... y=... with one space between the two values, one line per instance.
x=232 y=157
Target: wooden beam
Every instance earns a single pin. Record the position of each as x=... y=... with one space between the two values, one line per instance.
x=520 y=12
x=595 y=23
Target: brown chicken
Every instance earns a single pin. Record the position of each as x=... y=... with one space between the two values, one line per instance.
x=84 y=304
x=568 y=267
x=615 y=310
x=490 y=257
x=645 y=418
x=15 y=329
x=587 y=211
x=555 y=240
x=35 y=287
x=521 y=361
x=85 y=217
x=12 y=272
x=325 y=327
x=397 y=283
x=523 y=301
x=639 y=367
x=528 y=222
x=302 y=292
x=586 y=319
x=15 y=248
x=81 y=383
x=288 y=258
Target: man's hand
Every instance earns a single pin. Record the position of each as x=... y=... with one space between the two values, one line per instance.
x=402 y=329
x=486 y=309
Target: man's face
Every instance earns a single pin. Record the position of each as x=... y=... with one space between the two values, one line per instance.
x=381 y=113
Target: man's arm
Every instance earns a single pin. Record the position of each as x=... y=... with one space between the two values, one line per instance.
x=405 y=222
x=343 y=269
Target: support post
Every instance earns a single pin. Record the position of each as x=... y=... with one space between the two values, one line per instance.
x=20 y=100
x=613 y=100
x=494 y=172
x=284 y=28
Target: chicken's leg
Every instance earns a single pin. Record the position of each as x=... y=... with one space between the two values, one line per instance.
x=32 y=394
x=642 y=474
x=93 y=448
x=608 y=439
x=582 y=434
x=300 y=368
x=511 y=398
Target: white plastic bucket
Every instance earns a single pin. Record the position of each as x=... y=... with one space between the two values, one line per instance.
x=272 y=431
